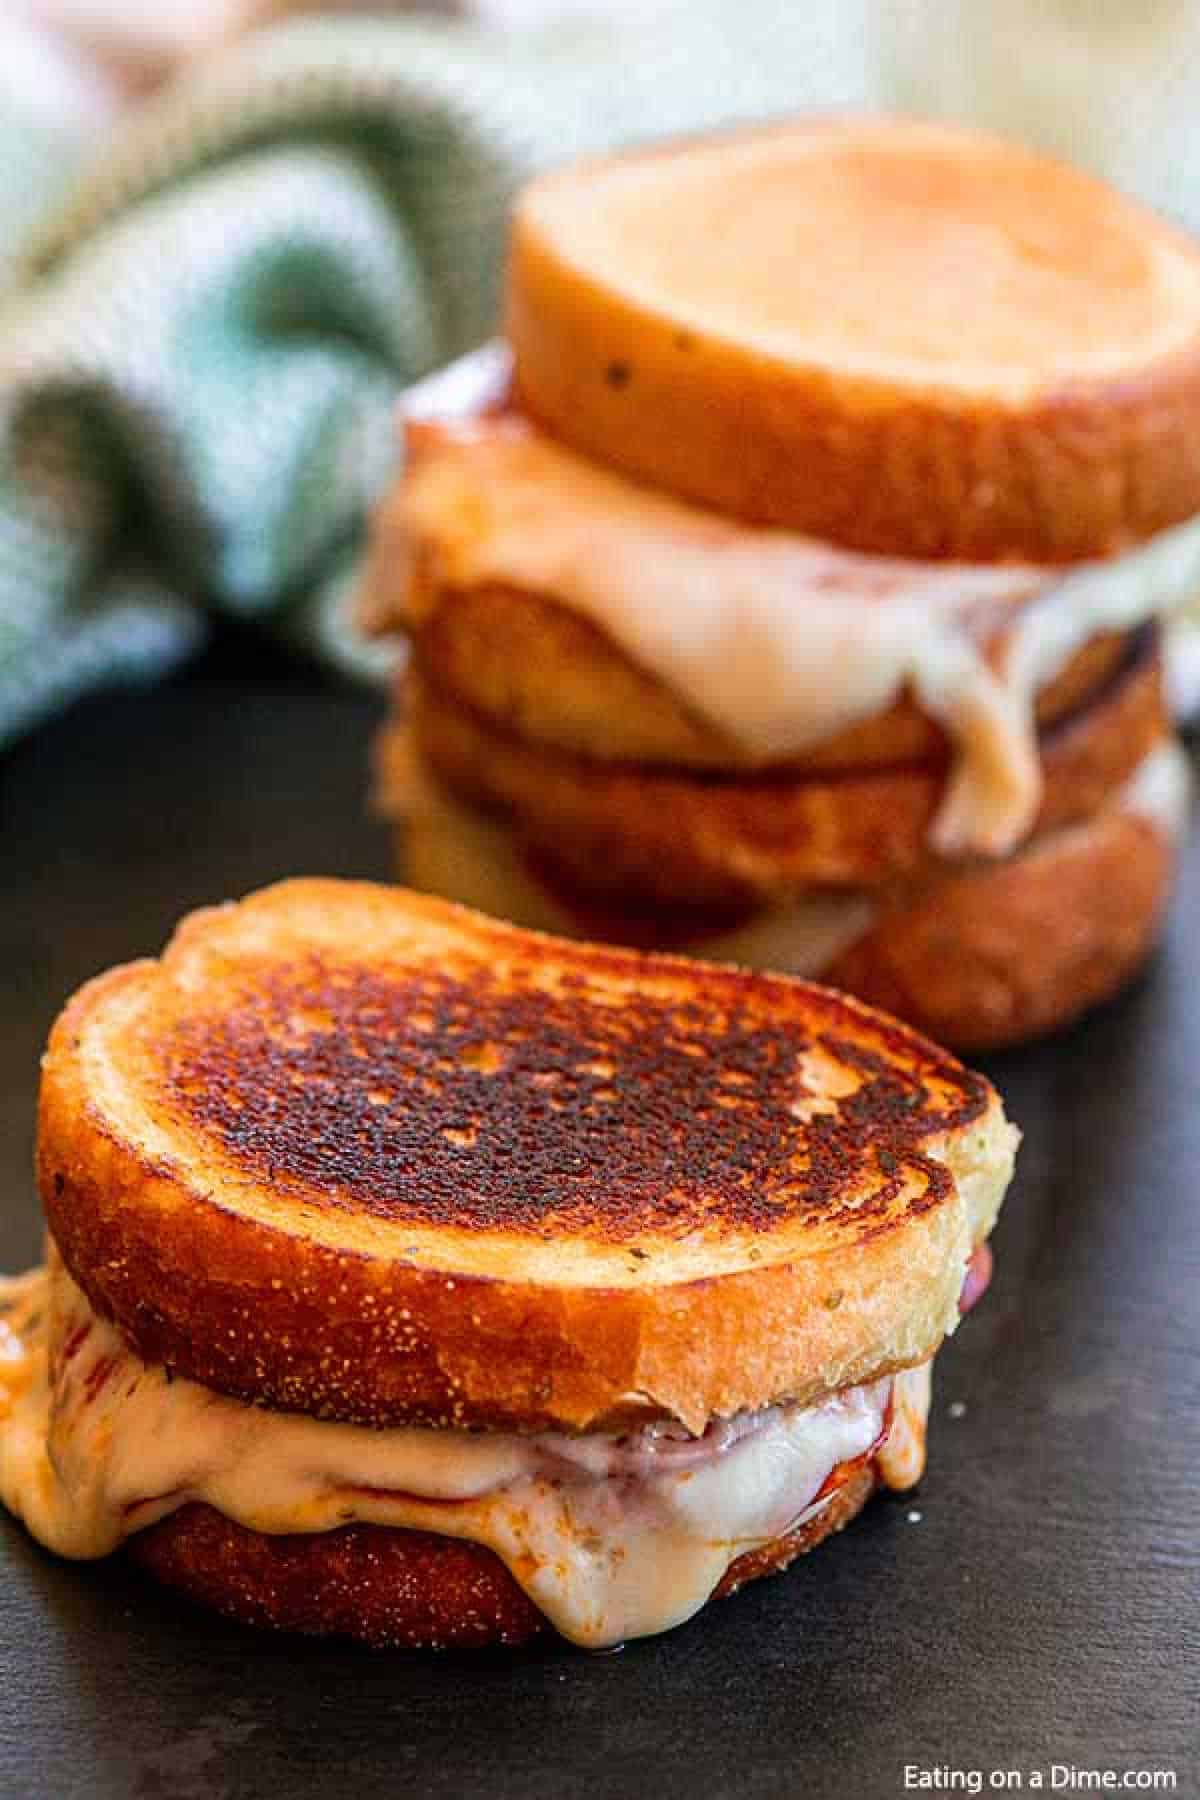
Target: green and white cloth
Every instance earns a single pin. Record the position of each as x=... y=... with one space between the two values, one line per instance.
x=202 y=341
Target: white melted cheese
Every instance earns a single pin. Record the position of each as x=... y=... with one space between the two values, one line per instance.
x=901 y=1457
x=1182 y=665
x=780 y=641
x=454 y=850
x=465 y=855
x=1161 y=789
x=612 y=1538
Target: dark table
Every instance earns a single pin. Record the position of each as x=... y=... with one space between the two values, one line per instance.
x=1036 y=1603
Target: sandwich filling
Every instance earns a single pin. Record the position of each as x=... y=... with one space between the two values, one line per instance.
x=611 y=1536
x=779 y=640
x=456 y=850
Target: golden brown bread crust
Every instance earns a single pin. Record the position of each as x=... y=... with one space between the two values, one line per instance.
x=390 y=1588
x=545 y=673
x=355 y=1152
x=999 y=955
x=644 y=834
x=397 y=1589
x=1071 y=462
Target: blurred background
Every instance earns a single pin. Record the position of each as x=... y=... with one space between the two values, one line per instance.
x=232 y=230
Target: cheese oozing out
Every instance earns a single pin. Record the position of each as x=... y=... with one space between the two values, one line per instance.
x=612 y=1537
x=472 y=857
x=1161 y=790
x=779 y=640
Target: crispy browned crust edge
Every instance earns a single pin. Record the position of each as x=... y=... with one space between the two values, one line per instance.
x=396 y=1589
x=645 y=835
x=996 y=956
x=532 y=666
x=301 y=1327
x=200 y=1281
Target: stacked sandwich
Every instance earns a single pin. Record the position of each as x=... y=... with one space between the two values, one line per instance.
x=795 y=596
x=424 y=1279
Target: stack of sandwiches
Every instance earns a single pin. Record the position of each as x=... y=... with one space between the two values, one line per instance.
x=792 y=592
x=789 y=590
x=423 y=1279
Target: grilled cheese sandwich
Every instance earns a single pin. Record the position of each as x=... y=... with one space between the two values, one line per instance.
x=746 y=588
x=367 y=1213
x=611 y=1537
x=779 y=641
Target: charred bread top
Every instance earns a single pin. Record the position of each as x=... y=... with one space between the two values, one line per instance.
x=360 y=1153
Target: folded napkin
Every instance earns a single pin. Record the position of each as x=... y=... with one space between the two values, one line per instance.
x=202 y=344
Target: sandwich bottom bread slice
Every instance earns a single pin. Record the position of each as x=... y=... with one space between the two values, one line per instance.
x=419 y=1278
x=979 y=955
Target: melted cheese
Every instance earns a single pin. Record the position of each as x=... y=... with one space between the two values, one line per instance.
x=901 y=1457
x=463 y=854
x=778 y=640
x=610 y=1537
x=466 y=855
x=1160 y=790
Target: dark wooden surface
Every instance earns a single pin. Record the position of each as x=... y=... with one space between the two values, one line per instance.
x=1038 y=1601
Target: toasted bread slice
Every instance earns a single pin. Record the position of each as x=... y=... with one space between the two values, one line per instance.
x=904 y=337
x=539 y=669
x=359 y=1153
x=643 y=834
x=1005 y=953
x=399 y=1589
x=978 y=958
